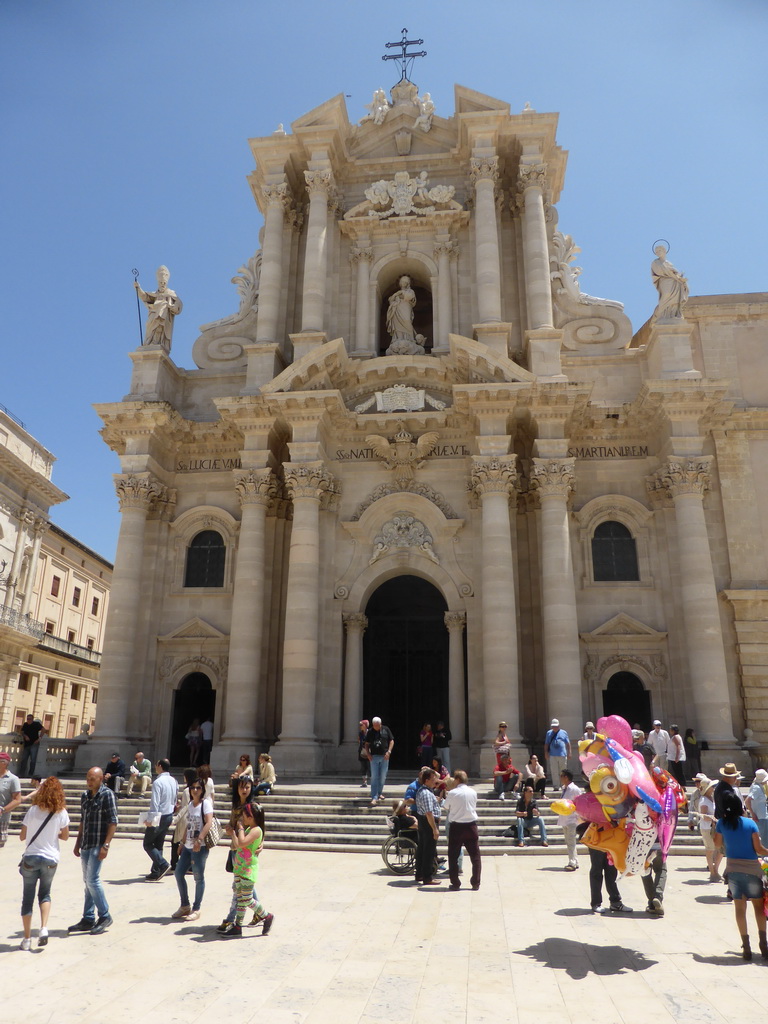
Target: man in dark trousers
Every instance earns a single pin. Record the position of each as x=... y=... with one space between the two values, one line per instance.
x=32 y=732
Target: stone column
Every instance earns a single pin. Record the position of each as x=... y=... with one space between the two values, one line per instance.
x=40 y=528
x=319 y=185
x=443 y=252
x=686 y=480
x=117 y=682
x=355 y=624
x=493 y=480
x=485 y=173
x=270 y=286
x=305 y=483
x=454 y=623
x=25 y=517
x=530 y=185
x=362 y=256
x=255 y=490
x=553 y=481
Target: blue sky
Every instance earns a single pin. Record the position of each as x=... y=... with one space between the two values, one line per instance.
x=125 y=127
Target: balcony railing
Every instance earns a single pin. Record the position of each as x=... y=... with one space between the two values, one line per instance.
x=55 y=643
x=21 y=623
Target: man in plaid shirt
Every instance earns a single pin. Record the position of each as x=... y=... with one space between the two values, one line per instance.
x=98 y=821
x=428 y=814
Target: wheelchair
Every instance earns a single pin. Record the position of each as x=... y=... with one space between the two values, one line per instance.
x=398 y=850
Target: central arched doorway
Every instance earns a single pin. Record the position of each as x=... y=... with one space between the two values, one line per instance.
x=405 y=661
x=625 y=695
x=194 y=699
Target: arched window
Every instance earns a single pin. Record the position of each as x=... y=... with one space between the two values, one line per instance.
x=614 y=553
x=205 y=560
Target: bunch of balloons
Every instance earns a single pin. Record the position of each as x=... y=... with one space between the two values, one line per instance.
x=628 y=808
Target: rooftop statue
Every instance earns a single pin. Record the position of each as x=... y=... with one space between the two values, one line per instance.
x=377 y=109
x=426 y=112
x=671 y=285
x=565 y=277
x=164 y=306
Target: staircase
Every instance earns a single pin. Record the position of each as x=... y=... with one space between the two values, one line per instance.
x=333 y=814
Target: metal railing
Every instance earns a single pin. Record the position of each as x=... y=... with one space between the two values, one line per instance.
x=56 y=643
x=22 y=623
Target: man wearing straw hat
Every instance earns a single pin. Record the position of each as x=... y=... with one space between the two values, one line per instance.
x=729 y=783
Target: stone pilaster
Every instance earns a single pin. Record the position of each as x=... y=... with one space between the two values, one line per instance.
x=362 y=257
x=270 y=287
x=531 y=185
x=494 y=478
x=255 y=490
x=39 y=529
x=443 y=252
x=485 y=174
x=686 y=480
x=306 y=483
x=319 y=188
x=138 y=494
x=455 y=623
x=355 y=624
x=26 y=519
x=553 y=481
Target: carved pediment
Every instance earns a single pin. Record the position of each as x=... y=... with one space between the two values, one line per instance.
x=195 y=628
x=623 y=625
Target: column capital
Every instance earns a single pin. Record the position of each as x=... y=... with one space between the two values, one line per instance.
x=255 y=487
x=140 y=491
x=494 y=474
x=319 y=183
x=361 y=254
x=455 y=621
x=484 y=168
x=553 y=477
x=308 y=480
x=355 y=622
x=40 y=526
x=277 y=195
x=682 y=475
x=448 y=248
x=532 y=176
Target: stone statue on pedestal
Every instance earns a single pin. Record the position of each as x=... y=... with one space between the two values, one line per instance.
x=405 y=341
x=164 y=306
x=377 y=109
x=671 y=285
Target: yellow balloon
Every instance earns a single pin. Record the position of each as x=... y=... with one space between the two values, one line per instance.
x=563 y=806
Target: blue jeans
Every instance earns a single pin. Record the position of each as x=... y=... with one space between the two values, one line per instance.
x=197 y=860
x=762 y=824
x=524 y=825
x=263 y=788
x=39 y=870
x=379 y=769
x=154 y=837
x=95 y=900
x=28 y=754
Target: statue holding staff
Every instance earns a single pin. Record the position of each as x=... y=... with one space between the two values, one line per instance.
x=163 y=307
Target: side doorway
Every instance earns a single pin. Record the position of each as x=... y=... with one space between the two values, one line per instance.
x=625 y=695
x=194 y=701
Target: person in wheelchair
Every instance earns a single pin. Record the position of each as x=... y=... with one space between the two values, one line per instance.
x=401 y=820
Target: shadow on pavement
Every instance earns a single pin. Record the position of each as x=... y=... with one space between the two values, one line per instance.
x=578 y=959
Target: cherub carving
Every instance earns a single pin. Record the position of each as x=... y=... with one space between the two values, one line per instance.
x=403 y=455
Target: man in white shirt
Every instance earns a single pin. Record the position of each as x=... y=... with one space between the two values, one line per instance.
x=164 y=792
x=461 y=807
x=569 y=821
x=658 y=741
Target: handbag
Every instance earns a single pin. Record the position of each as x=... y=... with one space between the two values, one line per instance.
x=213 y=835
x=230 y=865
x=34 y=837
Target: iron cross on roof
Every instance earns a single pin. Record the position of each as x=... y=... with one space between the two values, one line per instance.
x=404 y=58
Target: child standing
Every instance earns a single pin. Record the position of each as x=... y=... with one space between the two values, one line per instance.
x=247 y=843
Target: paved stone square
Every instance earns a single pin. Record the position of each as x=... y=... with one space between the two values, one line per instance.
x=353 y=943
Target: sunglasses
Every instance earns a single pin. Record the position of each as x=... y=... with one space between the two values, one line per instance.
x=195 y=787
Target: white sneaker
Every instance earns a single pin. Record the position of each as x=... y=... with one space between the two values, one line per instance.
x=26 y=944
x=502 y=796
x=193 y=915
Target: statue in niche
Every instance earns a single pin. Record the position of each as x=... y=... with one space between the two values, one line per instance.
x=426 y=112
x=377 y=109
x=405 y=341
x=164 y=306
x=671 y=285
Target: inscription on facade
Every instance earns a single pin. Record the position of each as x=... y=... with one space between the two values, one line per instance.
x=606 y=451
x=442 y=450
x=206 y=465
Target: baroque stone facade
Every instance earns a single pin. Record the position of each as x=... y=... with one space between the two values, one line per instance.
x=540 y=512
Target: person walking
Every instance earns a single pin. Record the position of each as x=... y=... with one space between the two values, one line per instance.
x=247 y=843
x=741 y=839
x=707 y=822
x=756 y=803
x=10 y=795
x=557 y=750
x=194 y=852
x=98 y=822
x=428 y=815
x=658 y=741
x=379 y=743
x=676 y=755
x=460 y=806
x=159 y=817
x=45 y=823
x=569 y=821
x=362 y=757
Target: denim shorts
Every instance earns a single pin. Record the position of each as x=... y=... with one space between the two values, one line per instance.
x=744 y=886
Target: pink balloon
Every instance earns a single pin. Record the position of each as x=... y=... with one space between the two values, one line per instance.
x=592 y=761
x=667 y=822
x=589 y=808
x=617 y=728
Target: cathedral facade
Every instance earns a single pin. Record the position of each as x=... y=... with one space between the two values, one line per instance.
x=420 y=474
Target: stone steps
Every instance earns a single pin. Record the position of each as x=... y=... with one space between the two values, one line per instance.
x=334 y=815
